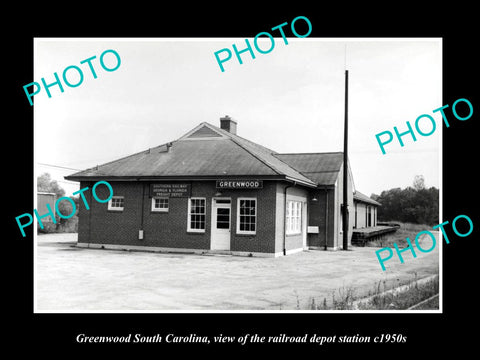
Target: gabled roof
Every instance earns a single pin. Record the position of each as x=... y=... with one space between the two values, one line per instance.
x=358 y=196
x=322 y=168
x=205 y=151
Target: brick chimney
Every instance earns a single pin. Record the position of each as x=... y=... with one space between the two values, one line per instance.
x=228 y=124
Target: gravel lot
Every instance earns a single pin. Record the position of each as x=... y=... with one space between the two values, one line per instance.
x=71 y=279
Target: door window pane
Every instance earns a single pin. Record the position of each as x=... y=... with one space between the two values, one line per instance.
x=223 y=218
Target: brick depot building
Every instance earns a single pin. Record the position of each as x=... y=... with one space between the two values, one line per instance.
x=212 y=190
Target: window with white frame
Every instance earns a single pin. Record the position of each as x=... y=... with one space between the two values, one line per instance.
x=160 y=204
x=247 y=216
x=196 y=214
x=116 y=203
x=294 y=217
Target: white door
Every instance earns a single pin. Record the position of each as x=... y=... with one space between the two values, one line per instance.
x=221 y=219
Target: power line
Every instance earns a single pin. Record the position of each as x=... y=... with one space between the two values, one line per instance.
x=68 y=182
x=60 y=167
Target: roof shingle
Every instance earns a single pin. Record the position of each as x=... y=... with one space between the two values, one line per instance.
x=211 y=151
x=322 y=168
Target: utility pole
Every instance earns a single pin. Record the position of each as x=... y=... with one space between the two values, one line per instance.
x=345 y=170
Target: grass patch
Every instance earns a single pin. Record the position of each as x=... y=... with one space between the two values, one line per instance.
x=380 y=297
x=402 y=300
x=432 y=303
x=399 y=237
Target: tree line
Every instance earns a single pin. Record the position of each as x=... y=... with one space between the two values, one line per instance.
x=414 y=204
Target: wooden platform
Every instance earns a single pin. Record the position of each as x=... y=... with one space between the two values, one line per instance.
x=362 y=235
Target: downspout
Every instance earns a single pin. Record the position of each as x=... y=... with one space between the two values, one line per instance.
x=326 y=217
x=142 y=211
x=285 y=218
x=89 y=220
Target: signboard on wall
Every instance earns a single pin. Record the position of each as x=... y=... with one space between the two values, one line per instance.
x=239 y=184
x=170 y=190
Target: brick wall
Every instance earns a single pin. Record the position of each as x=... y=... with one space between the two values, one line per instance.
x=113 y=227
x=84 y=215
x=101 y=226
x=264 y=239
x=170 y=229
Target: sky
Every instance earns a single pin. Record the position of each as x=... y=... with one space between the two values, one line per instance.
x=290 y=100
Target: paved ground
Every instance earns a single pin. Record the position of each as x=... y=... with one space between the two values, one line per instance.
x=78 y=279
